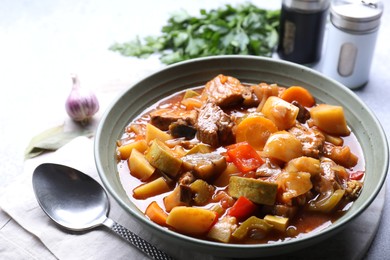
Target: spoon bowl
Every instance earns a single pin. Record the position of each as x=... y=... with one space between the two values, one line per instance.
x=70 y=198
x=77 y=202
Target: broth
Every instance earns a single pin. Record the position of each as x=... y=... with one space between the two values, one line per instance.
x=301 y=222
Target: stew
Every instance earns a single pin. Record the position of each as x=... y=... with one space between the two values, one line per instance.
x=241 y=163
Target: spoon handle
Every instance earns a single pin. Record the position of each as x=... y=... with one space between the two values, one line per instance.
x=138 y=242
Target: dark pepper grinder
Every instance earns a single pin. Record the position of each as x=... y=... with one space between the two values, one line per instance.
x=302 y=25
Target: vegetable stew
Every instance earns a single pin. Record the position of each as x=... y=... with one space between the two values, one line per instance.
x=241 y=163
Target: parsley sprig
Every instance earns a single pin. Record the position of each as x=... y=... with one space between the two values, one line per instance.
x=244 y=29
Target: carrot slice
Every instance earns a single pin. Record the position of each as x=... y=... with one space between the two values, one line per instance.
x=255 y=130
x=156 y=214
x=300 y=94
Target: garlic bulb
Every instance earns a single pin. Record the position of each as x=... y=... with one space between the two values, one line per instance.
x=81 y=103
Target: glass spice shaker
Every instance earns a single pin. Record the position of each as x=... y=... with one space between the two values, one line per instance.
x=351 y=40
x=301 y=32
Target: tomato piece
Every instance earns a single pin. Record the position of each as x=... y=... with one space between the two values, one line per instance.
x=242 y=208
x=358 y=175
x=244 y=156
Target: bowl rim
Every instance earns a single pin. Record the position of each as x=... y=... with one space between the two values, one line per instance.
x=337 y=226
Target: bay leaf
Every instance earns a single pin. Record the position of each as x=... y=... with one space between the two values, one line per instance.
x=52 y=139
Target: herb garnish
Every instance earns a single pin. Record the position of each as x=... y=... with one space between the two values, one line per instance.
x=245 y=29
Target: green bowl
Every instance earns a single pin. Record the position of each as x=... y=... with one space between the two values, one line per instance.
x=247 y=69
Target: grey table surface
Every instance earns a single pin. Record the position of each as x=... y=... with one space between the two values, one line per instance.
x=43 y=42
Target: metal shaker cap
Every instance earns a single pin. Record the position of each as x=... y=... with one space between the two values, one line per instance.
x=357 y=16
x=307 y=5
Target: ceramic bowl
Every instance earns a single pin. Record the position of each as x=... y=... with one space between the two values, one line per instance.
x=247 y=69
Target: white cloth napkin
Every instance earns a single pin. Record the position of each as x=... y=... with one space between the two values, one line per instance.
x=27 y=233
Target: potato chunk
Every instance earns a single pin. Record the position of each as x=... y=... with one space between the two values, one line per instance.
x=150 y=189
x=283 y=146
x=282 y=113
x=153 y=132
x=192 y=221
x=223 y=229
x=125 y=150
x=139 y=166
x=294 y=184
x=304 y=164
x=330 y=119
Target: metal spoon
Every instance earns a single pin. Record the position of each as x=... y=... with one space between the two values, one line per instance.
x=77 y=202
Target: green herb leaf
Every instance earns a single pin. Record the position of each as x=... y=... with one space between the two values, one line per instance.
x=52 y=139
x=244 y=29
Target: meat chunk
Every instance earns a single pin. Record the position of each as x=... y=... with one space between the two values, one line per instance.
x=187 y=178
x=214 y=127
x=162 y=118
x=312 y=140
x=250 y=98
x=341 y=155
x=303 y=114
x=332 y=177
x=353 y=189
x=223 y=91
x=268 y=169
